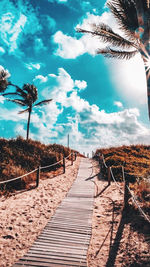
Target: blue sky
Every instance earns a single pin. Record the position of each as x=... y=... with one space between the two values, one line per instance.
x=99 y=102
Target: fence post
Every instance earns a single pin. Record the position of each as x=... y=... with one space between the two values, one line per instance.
x=38 y=176
x=100 y=160
x=126 y=194
x=72 y=158
x=64 y=164
x=109 y=176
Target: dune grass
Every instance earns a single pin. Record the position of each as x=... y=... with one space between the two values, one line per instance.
x=19 y=156
x=136 y=162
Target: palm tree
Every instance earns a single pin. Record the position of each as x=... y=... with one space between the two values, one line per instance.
x=4 y=75
x=133 y=17
x=27 y=98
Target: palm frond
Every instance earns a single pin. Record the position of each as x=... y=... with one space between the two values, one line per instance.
x=111 y=53
x=17 y=101
x=10 y=94
x=107 y=35
x=125 y=12
x=44 y=102
x=23 y=111
x=21 y=92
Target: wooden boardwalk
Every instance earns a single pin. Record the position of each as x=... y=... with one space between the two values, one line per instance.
x=65 y=239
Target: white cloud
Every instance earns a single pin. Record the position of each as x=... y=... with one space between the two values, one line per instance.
x=68 y=113
x=33 y=66
x=40 y=78
x=128 y=76
x=81 y=84
x=118 y=104
x=71 y=47
x=88 y=126
x=68 y=47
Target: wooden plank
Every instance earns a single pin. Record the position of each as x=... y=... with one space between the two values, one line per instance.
x=64 y=241
x=55 y=255
x=51 y=260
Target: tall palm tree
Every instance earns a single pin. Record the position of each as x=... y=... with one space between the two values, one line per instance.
x=27 y=98
x=133 y=17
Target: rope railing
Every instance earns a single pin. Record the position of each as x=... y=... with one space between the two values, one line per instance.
x=115 y=181
x=19 y=177
x=126 y=187
x=104 y=162
x=37 y=169
x=139 y=208
x=48 y=166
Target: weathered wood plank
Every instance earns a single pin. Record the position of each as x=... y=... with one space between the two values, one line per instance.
x=65 y=239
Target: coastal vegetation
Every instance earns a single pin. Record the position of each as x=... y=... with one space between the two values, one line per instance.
x=136 y=162
x=19 y=156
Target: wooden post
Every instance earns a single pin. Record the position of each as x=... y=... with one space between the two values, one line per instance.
x=72 y=158
x=64 y=164
x=126 y=194
x=38 y=176
x=100 y=160
x=109 y=176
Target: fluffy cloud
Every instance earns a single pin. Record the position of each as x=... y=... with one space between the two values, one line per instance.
x=40 y=78
x=128 y=76
x=71 y=47
x=81 y=84
x=33 y=66
x=88 y=126
x=118 y=104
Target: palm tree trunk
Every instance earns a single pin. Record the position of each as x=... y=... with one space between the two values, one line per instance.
x=145 y=53
x=28 y=124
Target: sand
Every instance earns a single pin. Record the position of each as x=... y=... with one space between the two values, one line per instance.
x=24 y=215
x=116 y=241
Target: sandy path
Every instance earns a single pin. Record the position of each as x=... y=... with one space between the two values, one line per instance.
x=24 y=215
x=116 y=242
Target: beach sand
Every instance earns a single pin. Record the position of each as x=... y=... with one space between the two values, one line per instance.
x=24 y=215
x=116 y=241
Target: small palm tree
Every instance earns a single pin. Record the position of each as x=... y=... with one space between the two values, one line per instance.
x=133 y=17
x=27 y=98
x=4 y=75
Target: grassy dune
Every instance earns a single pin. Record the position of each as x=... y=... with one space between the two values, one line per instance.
x=18 y=156
x=136 y=162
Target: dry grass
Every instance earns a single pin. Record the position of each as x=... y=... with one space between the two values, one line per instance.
x=19 y=156
x=136 y=162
